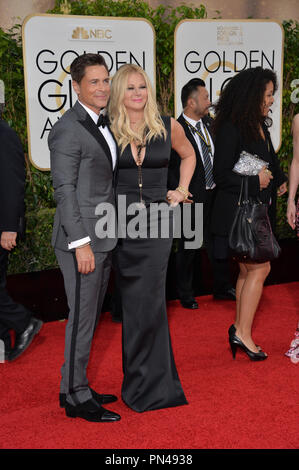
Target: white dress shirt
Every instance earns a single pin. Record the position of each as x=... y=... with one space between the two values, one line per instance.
x=198 y=139
x=112 y=146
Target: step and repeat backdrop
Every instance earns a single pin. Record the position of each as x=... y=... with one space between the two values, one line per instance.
x=214 y=50
x=52 y=42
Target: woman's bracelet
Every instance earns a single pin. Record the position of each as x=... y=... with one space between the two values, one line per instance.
x=184 y=191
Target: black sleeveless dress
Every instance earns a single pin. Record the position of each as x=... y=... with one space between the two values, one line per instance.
x=150 y=376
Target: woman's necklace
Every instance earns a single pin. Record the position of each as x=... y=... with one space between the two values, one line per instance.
x=141 y=203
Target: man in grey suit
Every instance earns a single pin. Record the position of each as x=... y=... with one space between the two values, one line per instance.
x=83 y=158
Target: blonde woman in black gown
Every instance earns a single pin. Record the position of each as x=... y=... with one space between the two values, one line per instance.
x=145 y=139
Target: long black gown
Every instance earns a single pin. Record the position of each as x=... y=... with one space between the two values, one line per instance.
x=150 y=377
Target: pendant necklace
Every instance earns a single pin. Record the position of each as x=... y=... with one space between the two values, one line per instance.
x=141 y=203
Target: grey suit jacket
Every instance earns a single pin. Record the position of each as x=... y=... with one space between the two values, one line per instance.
x=82 y=173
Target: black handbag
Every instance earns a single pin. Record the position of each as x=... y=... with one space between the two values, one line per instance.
x=251 y=236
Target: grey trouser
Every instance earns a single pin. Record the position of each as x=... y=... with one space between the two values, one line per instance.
x=85 y=294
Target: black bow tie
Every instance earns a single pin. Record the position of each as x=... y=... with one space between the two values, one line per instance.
x=103 y=120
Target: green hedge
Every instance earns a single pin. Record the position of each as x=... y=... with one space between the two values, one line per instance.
x=35 y=253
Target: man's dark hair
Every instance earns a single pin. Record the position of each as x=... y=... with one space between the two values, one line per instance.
x=190 y=88
x=79 y=65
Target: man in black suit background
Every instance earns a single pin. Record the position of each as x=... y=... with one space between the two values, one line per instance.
x=13 y=316
x=196 y=122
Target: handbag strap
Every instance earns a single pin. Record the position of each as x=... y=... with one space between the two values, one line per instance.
x=243 y=197
x=241 y=191
x=246 y=189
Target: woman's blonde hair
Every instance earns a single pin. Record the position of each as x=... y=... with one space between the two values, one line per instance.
x=152 y=125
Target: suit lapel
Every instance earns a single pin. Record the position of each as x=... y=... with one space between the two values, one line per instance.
x=91 y=127
x=86 y=121
x=115 y=173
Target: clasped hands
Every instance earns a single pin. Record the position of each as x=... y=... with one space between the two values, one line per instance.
x=174 y=197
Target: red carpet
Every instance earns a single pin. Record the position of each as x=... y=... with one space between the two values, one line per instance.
x=232 y=404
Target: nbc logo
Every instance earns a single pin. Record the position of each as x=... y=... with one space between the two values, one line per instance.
x=82 y=33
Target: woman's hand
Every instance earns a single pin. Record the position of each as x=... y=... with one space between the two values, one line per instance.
x=282 y=189
x=291 y=213
x=175 y=197
x=265 y=176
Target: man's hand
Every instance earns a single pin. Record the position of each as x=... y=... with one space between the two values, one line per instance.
x=85 y=259
x=8 y=240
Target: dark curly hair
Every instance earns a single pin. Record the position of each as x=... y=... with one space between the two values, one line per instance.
x=241 y=101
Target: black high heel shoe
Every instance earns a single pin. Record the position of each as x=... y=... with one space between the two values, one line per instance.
x=236 y=343
x=232 y=331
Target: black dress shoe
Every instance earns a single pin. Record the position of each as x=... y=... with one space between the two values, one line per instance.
x=100 y=399
x=192 y=304
x=7 y=354
x=229 y=294
x=5 y=349
x=116 y=319
x=24 y=339
x=91 y=411
x=4 y=354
